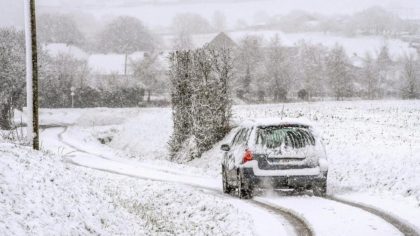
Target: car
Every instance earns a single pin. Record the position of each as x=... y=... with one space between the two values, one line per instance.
x=285 y=154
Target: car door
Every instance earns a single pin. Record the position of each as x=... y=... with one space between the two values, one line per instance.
x=236 y=153
x=229 y=158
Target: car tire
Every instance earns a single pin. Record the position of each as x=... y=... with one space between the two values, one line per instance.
x=226 y=187
x=319 y=190
x=243 y=193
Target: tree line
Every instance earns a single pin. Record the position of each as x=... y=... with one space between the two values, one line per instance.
x=371 y=21
x=270 y=73
x=277 y=73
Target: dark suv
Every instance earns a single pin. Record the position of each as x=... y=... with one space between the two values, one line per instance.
x=275 y=154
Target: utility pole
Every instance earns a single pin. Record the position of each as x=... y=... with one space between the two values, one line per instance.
x=31 y=74
x=125 y=63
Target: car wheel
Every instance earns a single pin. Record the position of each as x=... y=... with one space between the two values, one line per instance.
x=243 y=193
x=226 y=187
x=319 y=190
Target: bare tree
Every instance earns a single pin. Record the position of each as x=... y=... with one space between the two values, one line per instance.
x=410 y=77
x=182 y=41
x=149 y=71
x=125 y=35
x=371 y=77
x=277 y=66
x=248 y=60
x=311 y=61
x=58 y=28
x=385 y=69
x=58 y=75
x=339 y=74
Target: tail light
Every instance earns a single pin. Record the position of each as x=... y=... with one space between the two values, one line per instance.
x=247 y=156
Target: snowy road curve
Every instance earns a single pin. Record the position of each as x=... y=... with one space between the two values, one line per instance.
x=304 y=215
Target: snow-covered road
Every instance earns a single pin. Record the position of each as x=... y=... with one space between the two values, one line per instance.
x=272 y=215
x=266 y=222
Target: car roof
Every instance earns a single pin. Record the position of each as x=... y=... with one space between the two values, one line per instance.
x=276 y=122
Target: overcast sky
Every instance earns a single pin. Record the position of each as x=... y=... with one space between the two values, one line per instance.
x=160 y=12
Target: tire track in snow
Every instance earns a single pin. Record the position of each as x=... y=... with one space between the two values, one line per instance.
x=298 y=224
x=301 y=228
x=405 y=228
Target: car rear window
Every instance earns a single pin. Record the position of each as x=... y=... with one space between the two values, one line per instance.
x=273 y=137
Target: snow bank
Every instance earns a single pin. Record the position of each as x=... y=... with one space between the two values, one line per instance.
x=42 y=196
x=179 y=210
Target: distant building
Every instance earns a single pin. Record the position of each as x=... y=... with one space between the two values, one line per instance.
x=221 y=41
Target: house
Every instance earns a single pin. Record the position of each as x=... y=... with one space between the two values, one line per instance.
x=221 y=41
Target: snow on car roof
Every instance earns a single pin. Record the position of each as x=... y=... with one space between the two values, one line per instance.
x=277 y=121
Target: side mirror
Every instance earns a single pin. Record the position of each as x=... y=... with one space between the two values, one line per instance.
x=225 y=147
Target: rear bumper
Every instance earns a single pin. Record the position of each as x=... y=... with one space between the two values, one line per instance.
x=293 y=181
